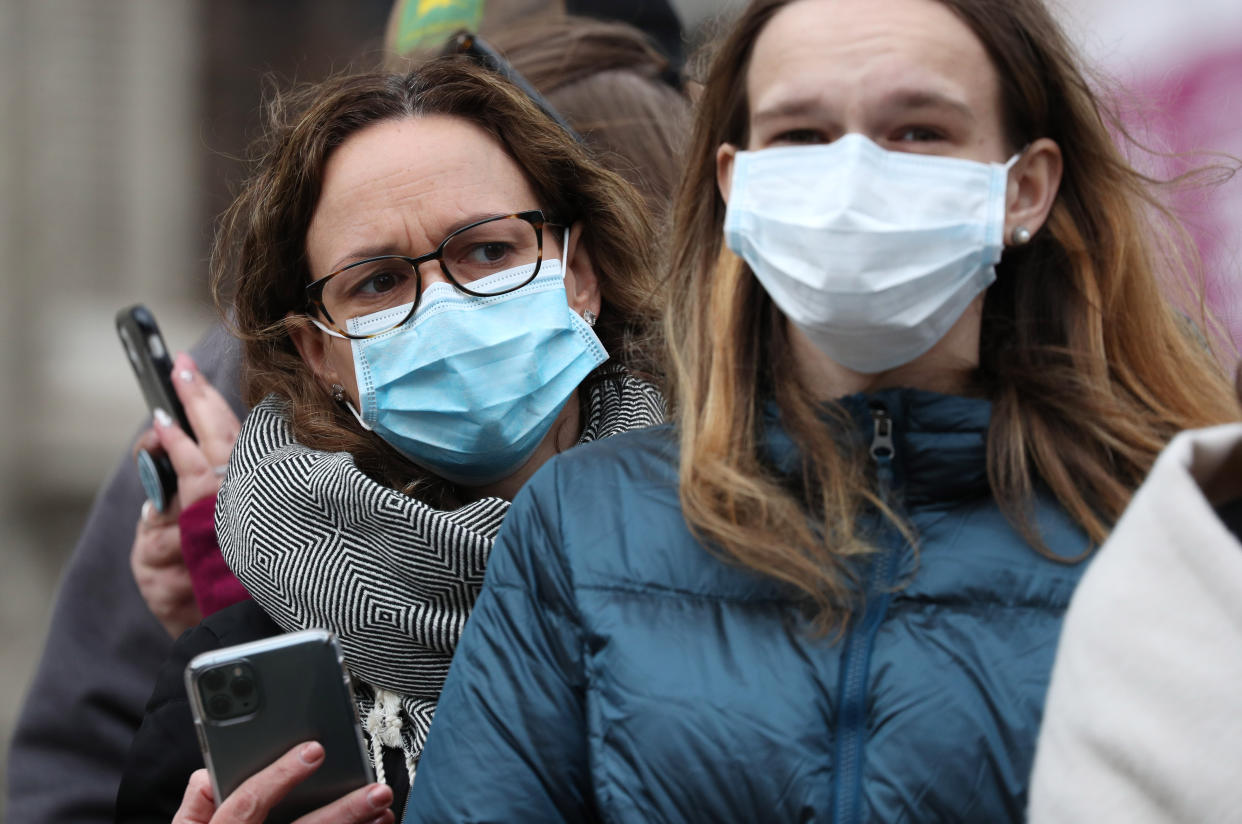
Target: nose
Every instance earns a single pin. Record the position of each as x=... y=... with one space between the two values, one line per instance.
x=432 y=272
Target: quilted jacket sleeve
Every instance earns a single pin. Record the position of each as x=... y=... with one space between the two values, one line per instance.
x=509 y=738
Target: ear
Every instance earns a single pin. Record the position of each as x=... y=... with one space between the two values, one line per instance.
x=724 y=168
x=312 y=346
x=581 y=282
x=1033 y=184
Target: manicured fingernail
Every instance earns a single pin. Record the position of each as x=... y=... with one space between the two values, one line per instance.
x=311 y=753
x=147 y=508
x=185 y=376
x=380 y=797
x=162 y=418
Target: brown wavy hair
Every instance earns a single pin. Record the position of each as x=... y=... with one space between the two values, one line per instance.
x=1089 y=368
x=610 y=82
x=259 y=265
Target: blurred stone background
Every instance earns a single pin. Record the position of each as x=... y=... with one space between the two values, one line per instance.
x=120 y=122
x=120 y=125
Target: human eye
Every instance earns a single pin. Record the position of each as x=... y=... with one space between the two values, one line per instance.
x=917 y=134
x=376 y=279
x=490 y=248
x=381 y=281
x=488 y=253
x=798 y=137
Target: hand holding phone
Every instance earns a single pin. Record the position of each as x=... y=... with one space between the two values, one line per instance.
x=253 y=702
x=262 y=791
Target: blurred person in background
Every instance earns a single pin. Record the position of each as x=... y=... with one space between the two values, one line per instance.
x=921 y=382
x=417 y=28
x=1144 y=717
x=104 y=648
x=401 y=407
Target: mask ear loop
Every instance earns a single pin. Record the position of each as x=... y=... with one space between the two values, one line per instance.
x=338 y=395
x=1021 y=235
x=588 y=316
x=361 y=422
x=1011 y=162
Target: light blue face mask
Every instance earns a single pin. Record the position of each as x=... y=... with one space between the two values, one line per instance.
x=469 y=387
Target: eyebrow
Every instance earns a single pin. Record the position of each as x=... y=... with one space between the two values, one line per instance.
x=898 y=100
x=788 y=108
x=926 y=99
x=381 y=250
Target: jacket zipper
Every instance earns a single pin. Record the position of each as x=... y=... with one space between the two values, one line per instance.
x=852 y=712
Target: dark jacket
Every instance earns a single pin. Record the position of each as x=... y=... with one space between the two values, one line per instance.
x=165 y=750
x=102 y=653
x=615 y=669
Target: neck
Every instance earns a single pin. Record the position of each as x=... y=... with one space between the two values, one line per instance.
x=564 y=433
x=948 y=367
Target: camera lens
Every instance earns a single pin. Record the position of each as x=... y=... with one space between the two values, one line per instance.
x=219 y=705
x=213 y=680
x=242 y=687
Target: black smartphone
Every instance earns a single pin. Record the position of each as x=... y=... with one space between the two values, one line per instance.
x=149 y=356
x=255 y=701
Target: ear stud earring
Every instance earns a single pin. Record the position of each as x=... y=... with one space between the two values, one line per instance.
x=590 y=317
x=338 y=393
x=1020 y=236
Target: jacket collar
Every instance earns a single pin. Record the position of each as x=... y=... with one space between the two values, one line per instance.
x=939 y=442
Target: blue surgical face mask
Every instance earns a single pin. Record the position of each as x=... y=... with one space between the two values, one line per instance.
x=469 y=387
x=873 y=254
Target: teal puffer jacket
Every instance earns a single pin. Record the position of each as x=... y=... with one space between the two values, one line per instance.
x=613 y=669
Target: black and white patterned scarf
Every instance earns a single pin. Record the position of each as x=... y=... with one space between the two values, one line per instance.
x=318 y=544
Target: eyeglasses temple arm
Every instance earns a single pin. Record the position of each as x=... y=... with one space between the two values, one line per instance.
x=475 y=47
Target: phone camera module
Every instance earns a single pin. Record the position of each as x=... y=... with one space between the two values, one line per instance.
x=219 y=705
x=229 y=692
x=214 y=680
x=242 y=687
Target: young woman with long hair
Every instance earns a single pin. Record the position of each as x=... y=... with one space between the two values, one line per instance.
x=920 y=361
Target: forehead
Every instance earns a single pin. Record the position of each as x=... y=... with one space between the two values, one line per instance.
x=842 y=52
x=403 y=184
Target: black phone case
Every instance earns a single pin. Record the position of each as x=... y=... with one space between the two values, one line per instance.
x=151 y=361
x=304 y=694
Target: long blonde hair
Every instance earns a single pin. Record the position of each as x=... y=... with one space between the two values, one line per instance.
x=1090 y=370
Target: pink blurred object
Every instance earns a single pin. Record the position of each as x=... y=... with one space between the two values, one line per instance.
x=1201 y=111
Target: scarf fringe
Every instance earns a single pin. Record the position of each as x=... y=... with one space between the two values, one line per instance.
x=383 y=727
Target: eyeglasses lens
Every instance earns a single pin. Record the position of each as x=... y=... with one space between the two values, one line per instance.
x=489 y=259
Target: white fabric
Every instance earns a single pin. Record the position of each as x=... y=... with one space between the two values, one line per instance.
x=873 y=254
x=1144 y=715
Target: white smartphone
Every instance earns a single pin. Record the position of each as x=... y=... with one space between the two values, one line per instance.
x=253 y=702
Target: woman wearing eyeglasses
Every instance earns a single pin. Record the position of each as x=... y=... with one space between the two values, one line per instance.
x=437 y=290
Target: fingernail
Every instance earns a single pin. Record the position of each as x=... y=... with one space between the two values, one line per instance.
x=311 y=753
x=162 y=418
x=380 y=797
x=185 y=376
x=147 y=507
